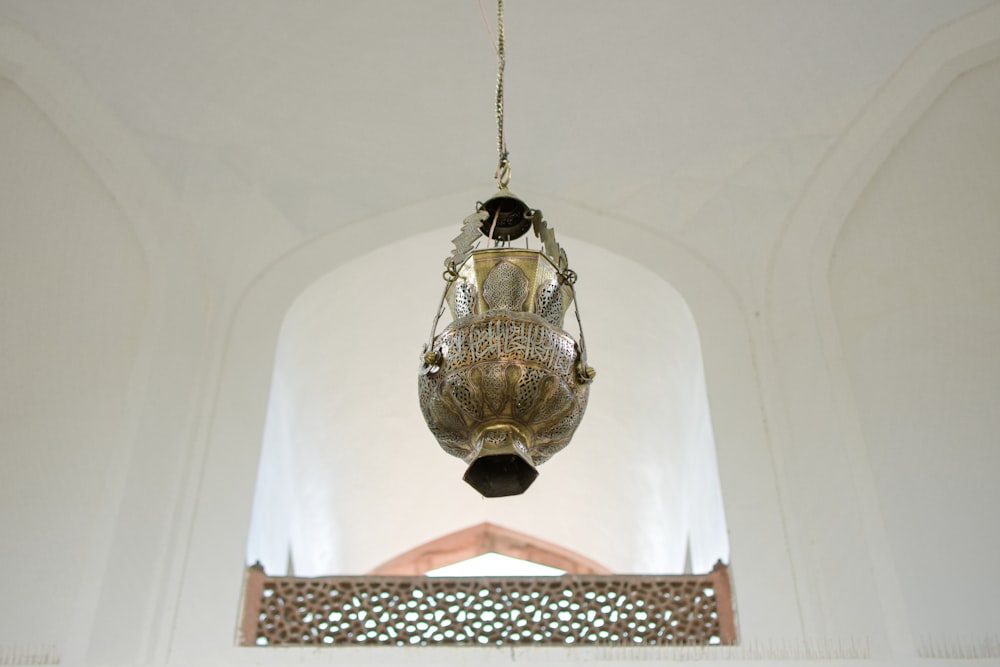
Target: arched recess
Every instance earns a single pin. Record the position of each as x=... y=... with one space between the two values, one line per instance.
x=143 y=461
x=345 y=447
x=73 y=290
x=815 y=405
x=487 y=538
x=915 y=290
x=216 y=544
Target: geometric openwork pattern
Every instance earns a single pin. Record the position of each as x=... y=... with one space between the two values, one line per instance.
x=415 y=610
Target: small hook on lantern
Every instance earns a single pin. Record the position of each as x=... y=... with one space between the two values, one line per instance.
x=503 y=173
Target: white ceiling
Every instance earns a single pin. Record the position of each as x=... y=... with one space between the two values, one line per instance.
x=337 y=111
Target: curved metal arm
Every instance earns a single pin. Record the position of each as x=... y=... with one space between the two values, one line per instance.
x=465 y=240
x=547 y=236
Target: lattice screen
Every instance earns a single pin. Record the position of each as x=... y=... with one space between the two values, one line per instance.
x=572 y=609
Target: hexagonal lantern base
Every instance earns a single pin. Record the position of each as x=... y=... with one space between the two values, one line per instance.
x=500 y=475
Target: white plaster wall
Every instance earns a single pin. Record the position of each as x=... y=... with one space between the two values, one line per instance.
x=118 y=603
x=838 y=543
x=346 y=447
x=73 y=283
x=165 y=585
x=915 y=283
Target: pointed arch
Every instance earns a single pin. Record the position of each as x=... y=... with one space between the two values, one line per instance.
x=486 y=538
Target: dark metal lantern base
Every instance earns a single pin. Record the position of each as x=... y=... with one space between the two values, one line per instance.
x=500 y=475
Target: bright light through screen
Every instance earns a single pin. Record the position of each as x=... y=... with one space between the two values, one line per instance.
x=495 y=565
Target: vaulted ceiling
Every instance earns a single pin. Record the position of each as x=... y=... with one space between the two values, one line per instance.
x=333 y=112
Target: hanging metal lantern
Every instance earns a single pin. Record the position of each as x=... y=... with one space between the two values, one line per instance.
x=504 y=387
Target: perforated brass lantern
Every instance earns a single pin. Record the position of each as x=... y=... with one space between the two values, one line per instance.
x=504 y=387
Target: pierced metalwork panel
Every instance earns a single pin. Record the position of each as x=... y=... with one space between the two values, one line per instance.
x=504 y=365
x=572 y=609
x=505 y=287
x=463 y=299
x=513 y=279
x=549 y=303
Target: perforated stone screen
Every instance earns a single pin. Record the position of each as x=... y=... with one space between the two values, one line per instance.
x=571 y=609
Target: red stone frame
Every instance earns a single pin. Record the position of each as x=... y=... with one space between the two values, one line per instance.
x=481 y=539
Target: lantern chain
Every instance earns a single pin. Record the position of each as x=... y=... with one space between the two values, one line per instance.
x=503 y=163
